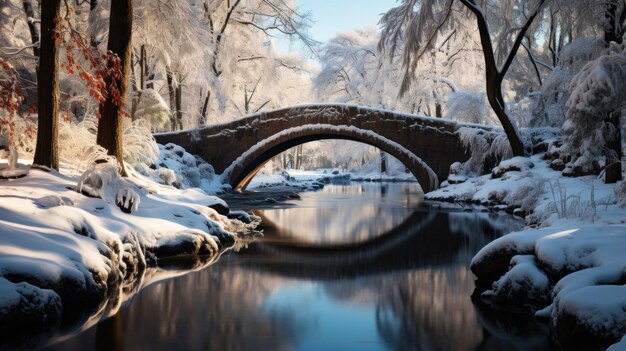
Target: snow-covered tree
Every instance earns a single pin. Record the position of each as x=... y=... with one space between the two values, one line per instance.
x=467 y=107
x=422 y=24
x=594 y=121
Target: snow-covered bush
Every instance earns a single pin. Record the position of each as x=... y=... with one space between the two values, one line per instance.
x=104 y=181
x=527 y=196
x=167 y=175
x=598 y=94
x=77 y=141
x=467 y=107
x=549 y=103
x=176 y=167
x=139 y=144
x=153 y=109
x=483 y=145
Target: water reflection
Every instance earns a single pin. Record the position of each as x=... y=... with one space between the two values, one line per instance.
x=350 y=213
x=405 y=289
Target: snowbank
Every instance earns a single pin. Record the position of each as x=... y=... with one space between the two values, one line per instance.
x=576 y=276
x=573 y=269
x=67 y=253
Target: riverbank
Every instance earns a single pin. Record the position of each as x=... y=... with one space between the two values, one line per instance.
x=569 y=265
x=74 y=243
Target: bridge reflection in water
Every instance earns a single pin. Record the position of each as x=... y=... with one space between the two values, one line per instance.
x=406 y=289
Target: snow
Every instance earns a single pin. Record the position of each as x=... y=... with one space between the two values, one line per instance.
x=153 y=108
x=620 y=346
x=329 y=109
x=586 y=262
x=523 y=278
x=180 y=169
x=600 y=307
x=555 y=199
x=395 y=148
x=570 y=261
x=58 y=245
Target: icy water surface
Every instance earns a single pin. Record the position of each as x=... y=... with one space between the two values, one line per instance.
x=350 y=267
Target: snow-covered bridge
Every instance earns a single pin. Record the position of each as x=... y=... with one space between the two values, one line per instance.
x=238 y=149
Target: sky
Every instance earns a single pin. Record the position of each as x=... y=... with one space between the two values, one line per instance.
x=333 y=16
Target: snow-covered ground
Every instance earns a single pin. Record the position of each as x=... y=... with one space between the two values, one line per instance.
x=68 y=245
x=312 y=179
x=572 y=269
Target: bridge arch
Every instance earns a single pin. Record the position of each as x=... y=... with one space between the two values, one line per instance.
x=421 y=143
x=244 y=168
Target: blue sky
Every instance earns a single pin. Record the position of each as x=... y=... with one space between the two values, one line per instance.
x=332 y=16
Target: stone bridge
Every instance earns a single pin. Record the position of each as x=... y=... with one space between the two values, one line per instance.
x=238 y=149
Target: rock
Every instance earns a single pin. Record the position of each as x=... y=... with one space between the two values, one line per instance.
x=568 y=171
x=495 y=263
x=177 y=246
x=456 y=179
x=456 y=168
x=557 y=164
x=515 y=164
x=127 y=200
x=613 y=173
x=571 y=334
x=53 y=201
x=30 y=311
x=524 y=284
x=497 y=172
x=185 y=244
x=241 y=216
x=220 y=208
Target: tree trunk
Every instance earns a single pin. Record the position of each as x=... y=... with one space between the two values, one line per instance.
x=179 y=106
x=298 y=156
x=30 y=16
x=150 y=82
x=47 y=150
x=111 y=123
x=205 y=108
x=495 y=76
x=142 y=67
x=383 y=162
x=614 y=30
x=134 y=102
x=614 y=169
x=93 y=5
x=172 y=91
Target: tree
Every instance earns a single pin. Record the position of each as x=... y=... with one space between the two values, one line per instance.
x=423 y=27
x=594 y=121
x=110 y=125
x=30 y=19
x=46 y=151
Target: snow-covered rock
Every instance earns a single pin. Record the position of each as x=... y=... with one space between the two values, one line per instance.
x=515 y=164
x=524 y=283
x=586 y=305
x=64 y=253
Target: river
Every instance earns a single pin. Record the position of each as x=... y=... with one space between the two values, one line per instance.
x=354 y=266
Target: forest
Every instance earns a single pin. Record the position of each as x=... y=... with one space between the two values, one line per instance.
x=533 y=93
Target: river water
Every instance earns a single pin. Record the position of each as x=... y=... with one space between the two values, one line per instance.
x=356 y=266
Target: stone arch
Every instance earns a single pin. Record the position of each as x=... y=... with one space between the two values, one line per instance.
x=243 y=169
